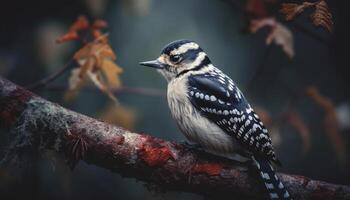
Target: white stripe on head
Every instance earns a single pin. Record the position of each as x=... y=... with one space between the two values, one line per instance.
x=184 y=48
x=198 y=61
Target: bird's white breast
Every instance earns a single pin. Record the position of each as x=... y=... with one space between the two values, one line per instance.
x=194 y=126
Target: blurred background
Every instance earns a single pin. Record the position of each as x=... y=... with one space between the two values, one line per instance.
x=303 y=96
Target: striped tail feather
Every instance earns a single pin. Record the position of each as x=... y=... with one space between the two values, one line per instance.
x=274 y=186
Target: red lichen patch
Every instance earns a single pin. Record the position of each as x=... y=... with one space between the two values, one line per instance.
x=155 y=151
x=155 y=156
x=211 y=169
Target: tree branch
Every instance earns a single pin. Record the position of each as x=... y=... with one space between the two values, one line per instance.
x=43 y=82
x=40 y=125
x=153 y=92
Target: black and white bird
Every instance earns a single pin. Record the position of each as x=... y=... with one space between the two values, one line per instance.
x=211 y=111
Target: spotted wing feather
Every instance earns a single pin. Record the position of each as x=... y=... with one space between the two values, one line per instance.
x=216 y=96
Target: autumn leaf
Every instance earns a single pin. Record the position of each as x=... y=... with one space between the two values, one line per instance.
x=291 y=10
x=99 y=24
x=68 y=37
x=112 y=71
x=96 y=60
x=75 y=82
x=96 y=63
x=330 y=122
x=320 y=17
x=118 y=115
x=80 y=24
x=278 y=33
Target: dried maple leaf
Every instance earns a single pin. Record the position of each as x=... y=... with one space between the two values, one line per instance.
x=291 y=10
x=75 y=82
x=99 y=24
x=278 y=33
x=112 y=71
x=331 y=123
x=95 y=60
x=118 y=115
x=68 y=37
x=80 y=24
x=320 y=17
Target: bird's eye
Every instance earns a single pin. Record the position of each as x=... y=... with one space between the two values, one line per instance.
x=175 y=58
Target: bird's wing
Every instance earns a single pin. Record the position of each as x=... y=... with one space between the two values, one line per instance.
x=218 y=98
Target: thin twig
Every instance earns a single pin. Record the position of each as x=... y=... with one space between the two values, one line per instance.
x=45 y=81
x=122 y=90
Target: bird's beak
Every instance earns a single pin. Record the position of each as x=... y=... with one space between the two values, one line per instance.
x=153 y=63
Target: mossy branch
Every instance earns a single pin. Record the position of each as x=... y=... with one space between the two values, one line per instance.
x=40 y=125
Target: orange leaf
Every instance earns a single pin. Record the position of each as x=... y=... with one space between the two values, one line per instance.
x=103 y=51
x=95 y=60
x=322 y=16
x=291 y=10
x=82 y=23
x=99 y=24
x=96 y=33
x=112 y=72
x=97 y=79
x=72 y=35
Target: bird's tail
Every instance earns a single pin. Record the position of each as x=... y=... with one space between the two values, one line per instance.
x=274 y=186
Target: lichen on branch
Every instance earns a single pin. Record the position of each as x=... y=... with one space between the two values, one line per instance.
x=40 y=125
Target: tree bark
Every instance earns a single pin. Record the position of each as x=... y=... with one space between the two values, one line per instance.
x=39 y=125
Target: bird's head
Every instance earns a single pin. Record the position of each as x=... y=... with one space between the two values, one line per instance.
x=179 y=57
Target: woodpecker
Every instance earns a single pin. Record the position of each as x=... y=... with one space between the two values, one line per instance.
x=211 y=111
